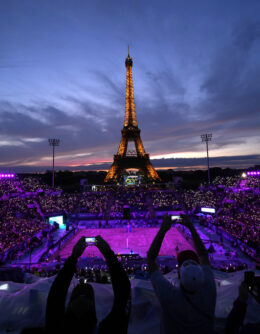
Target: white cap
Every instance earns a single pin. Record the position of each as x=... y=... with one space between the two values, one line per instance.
x=191 y=276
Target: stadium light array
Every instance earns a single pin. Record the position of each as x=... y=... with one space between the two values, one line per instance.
x=253 y=173
x=6 y=175
x=206 y=138
x=54 y=142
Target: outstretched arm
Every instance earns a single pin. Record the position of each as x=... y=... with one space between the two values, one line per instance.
x=117 y=320
x=199 y=246
x=157 y=243
x=236 y=317
x=55 y=308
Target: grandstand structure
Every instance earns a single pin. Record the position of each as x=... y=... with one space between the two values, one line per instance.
x=27 y=204
x=30 y=243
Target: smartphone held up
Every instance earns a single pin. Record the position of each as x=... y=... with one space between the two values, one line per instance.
x=176 y=218
x=90 y=241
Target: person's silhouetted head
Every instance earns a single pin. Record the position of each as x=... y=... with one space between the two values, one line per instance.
x=81 y=311
x=187 y=255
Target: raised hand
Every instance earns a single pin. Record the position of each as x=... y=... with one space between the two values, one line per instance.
x=167 y=223
x=243 y=292
x=185 y=220
x=79 y=247
x=102 y=245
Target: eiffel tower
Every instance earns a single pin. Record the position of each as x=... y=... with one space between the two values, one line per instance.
x=125 y=158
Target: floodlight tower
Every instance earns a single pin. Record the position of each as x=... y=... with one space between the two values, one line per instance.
x=206 y=138
x=53 y=142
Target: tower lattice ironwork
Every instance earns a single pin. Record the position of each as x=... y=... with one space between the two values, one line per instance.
x=126 y=158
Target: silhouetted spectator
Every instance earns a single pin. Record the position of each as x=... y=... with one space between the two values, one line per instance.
x=237 y=315
x=189 y=308
x=80 y=315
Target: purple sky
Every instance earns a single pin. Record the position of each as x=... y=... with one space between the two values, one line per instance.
x=196 y=70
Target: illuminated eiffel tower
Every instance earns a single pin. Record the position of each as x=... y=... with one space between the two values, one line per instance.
x=125 y=158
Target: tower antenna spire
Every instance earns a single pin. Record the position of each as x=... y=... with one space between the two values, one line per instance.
x=128 y=51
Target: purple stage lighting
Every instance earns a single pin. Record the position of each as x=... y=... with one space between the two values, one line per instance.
x=6 y=175
x=250 y=173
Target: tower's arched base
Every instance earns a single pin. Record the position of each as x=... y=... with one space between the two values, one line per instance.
x=122 y=163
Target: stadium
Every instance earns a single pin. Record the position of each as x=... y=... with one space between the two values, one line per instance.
x=105 y=228
x=40 y=226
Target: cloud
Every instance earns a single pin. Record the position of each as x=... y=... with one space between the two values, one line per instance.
x=245 y=34
x=231 y=106
x=230 y=68
x=89 y=122
x=75 y=131
x=239 y=162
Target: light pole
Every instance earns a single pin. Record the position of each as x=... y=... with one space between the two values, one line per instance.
x=206 y=138
x=53 y=142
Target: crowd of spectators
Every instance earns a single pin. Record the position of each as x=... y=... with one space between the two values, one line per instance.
x=8 y=187
x=99 y=272
x=18 y=186
x=164 y=199
x=96 y=270
x=228 y=182
x=93 y=202
x=194 y=200
x=33 y=184
x=58 y=203
x=252 y=182
x=240 y=217
x=26 y=201
x=19 y=220
x=135 y=198
x=237 y=210
x=63 y=203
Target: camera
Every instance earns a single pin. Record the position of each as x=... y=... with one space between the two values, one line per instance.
x=253 y=284
x=90 y=240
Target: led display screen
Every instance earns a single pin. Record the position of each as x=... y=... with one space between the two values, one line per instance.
x=208 y=210
x=131 y=180
x=58 y=220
